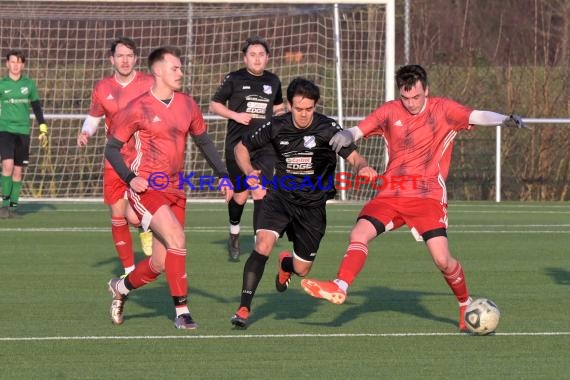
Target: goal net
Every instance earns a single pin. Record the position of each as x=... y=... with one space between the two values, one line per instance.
x=66 y=46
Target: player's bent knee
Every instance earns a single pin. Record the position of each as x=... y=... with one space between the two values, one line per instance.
x=366 y=229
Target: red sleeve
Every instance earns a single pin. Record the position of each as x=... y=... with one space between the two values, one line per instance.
x=457 y=115
x=125 y=124
x=96 y=107
x=197 y=123
x=375 y=123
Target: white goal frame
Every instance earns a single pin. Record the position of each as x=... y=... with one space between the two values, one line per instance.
x=78 y=114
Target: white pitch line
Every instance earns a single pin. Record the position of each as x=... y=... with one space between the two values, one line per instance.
x=354 y=210
x=330 y=230
x=267 y=336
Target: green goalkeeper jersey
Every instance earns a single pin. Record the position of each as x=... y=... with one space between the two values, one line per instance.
x=15 y=98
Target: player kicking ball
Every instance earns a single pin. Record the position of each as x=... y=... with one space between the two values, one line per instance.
x=419 y=133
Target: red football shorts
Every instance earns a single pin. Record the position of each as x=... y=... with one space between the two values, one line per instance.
x=114 y=189
x=422 y=214
x=147 y=203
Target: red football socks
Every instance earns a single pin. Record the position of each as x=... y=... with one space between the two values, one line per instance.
x=123 y=241
x=353 y=261
x=455 y=278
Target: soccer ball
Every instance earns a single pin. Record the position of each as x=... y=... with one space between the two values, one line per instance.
x=482 y=316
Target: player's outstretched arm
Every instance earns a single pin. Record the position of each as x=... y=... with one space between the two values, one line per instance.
x=489 y=118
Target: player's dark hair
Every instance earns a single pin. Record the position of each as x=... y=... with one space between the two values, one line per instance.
x=16 y=53
x=255 y=40
x=408 y=76
x=159 y=53
x=123 y=41
x=303 y=87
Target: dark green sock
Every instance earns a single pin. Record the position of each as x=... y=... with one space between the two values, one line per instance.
x=15 y=194
x=6 y=190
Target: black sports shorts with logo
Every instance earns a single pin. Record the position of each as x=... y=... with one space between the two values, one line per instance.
x=305 y=226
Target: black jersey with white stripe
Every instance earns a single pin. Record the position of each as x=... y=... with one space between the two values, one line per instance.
x=242 y=91
x=306 y=163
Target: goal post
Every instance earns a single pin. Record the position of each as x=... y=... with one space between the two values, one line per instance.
x=347 y=47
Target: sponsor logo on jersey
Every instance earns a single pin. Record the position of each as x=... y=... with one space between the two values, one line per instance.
x=110 y=97
x=246 y=87
x=283 y=142
x=256 y=108
x=267 y=89
x=7 y=91
x=156 y=119
x=398 y=123
x=309 y=142
x=299 y=165
x=299 y=160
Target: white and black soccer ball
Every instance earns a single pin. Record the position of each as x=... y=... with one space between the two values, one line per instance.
x=482 y=316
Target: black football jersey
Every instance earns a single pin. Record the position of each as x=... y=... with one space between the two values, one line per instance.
x=306 y=163
x=241 y=91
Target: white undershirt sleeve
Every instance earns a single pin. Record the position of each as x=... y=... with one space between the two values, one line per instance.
x=486 y=118
x=90 y=125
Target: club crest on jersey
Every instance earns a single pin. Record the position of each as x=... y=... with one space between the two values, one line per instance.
x=24 y=90
x=309 y=142
x=267 y=89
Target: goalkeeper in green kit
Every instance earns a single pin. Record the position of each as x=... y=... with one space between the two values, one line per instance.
x=17 y=94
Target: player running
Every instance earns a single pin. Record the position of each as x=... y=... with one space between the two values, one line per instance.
x=297 y=196
x=160 y=120
x=419 y=133
x=253 y=95
x=110 y=95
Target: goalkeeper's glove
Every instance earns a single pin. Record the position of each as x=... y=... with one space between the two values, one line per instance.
x=341 y=139
x=514 y=121
x=43 y=137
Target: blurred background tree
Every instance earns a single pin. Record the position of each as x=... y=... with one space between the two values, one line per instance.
x=510 y=56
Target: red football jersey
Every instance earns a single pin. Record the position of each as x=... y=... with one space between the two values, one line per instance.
x=160 y=132
x=109 y=96
x=419 y=146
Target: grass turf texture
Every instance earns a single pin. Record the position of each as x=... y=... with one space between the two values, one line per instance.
x=399 y=320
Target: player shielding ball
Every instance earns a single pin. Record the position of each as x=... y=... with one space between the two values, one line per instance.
x=160 y=120
x=298 y=206
x=110 y=95
x=419 y=132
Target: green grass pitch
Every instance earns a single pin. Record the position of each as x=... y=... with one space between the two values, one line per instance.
x=399 y=320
